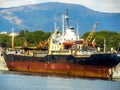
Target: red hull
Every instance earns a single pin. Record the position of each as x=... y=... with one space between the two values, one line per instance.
x=66 y=69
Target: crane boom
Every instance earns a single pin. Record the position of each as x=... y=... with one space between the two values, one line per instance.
x=88 y=39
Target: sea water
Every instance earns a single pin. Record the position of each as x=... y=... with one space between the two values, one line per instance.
x=12 y=81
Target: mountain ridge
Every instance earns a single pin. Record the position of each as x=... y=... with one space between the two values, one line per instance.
x=41 y=17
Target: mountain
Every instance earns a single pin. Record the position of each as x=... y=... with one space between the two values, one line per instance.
x=41 y=17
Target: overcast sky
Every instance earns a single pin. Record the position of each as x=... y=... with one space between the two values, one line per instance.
x=98 y=5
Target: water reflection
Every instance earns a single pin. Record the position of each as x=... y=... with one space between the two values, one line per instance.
x=32 y=81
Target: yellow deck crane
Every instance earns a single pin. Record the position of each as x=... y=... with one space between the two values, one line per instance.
x=45 y=43
x=88 y=39
x=25 y=44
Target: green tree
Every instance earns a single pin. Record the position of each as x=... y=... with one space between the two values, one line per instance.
x=112 y=38
x=5 y=40
x=23 y=33
x=33 y=38
x=19 y=41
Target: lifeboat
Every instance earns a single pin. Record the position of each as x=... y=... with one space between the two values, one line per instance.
x=79 y=42
x=68 y=43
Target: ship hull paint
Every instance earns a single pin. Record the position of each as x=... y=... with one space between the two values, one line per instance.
x=63 y=69
x=97 y=65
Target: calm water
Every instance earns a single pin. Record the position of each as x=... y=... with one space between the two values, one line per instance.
x=13 y=81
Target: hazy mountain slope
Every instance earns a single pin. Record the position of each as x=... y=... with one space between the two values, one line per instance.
x=41 y=17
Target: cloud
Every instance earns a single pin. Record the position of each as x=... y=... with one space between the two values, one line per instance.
x=13 y=3
x=98 y=5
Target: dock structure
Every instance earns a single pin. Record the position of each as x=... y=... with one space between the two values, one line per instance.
x=3 y=65
x=116 y=72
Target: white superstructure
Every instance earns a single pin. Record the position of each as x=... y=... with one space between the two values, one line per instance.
x=65 y=40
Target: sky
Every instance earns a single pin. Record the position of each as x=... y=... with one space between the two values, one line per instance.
x=112 y=6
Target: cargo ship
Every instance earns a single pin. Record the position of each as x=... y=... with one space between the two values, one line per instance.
x=67 y=54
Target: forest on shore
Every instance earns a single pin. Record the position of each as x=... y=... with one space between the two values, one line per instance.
x=33 y=38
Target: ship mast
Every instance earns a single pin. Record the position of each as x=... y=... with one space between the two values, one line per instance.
x=118 y=47
x=77 y=37
x=104 y=45
x=67 y=19
x=55 y=23
x=63 y=29
x=12 y=38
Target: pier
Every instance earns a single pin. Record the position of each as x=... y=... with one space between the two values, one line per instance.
x=3 y=65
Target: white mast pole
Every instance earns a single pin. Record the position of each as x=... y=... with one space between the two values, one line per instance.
x=104 y=45
x=63 y=16
x=55 y=24
x=118 y=47
x=77 y=32
x=12 y=38
x=67 y=19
